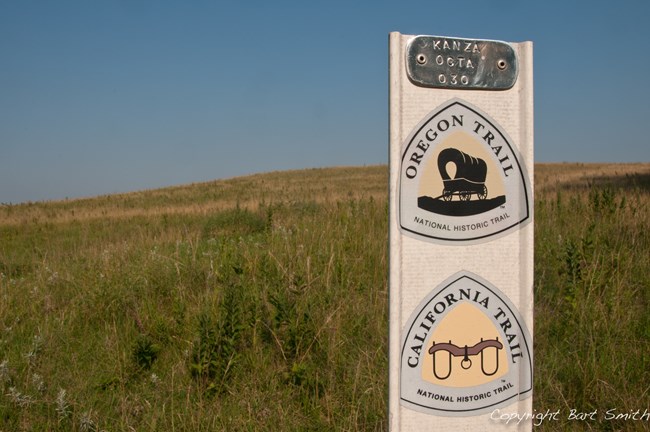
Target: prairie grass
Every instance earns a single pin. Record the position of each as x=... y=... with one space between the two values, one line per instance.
x=249 y=304
x=592 y=293
x=260 y=303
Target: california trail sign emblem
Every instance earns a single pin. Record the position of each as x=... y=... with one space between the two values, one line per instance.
x=461 y=179
x=465 y=351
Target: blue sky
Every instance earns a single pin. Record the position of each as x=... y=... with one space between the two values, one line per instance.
x=115 y=96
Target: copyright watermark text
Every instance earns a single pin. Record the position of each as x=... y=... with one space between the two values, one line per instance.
x=539 y=417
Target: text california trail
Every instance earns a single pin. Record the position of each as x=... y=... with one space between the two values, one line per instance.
x=476 y=296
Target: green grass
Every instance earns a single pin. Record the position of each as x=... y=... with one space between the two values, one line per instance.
x=592 y=298
x=268 y=314
x=260 y=303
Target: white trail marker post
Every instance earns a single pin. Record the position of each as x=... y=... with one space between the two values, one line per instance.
x=461 y=234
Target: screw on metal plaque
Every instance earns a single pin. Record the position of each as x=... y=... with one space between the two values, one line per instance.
x=470 y=64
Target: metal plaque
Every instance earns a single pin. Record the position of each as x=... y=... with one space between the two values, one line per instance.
x=453 y=63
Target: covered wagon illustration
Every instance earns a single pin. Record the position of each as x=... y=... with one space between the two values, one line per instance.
x=469 y=178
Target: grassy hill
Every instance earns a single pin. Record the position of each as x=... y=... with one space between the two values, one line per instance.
x=260 y=303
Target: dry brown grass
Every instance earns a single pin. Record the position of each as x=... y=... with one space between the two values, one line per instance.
x=320 y=185
x=551 y=176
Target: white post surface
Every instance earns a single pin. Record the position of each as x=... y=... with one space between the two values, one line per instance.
x=461 y=235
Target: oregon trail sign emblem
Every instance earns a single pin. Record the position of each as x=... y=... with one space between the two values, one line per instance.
x=461 y=179
x=465 y=350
